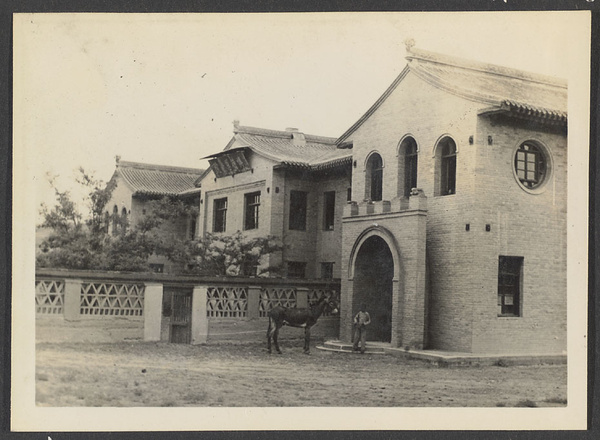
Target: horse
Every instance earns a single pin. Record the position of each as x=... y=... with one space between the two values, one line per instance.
x=301 y=318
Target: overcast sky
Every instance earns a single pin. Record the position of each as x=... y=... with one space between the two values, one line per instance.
x=165 y=88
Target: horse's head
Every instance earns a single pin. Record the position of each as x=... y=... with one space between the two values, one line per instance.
x=331 y=306
x=328 y=304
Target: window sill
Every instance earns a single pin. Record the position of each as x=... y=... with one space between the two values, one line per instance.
x=509 y=316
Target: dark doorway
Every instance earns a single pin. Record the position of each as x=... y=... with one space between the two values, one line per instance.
x=373 y=281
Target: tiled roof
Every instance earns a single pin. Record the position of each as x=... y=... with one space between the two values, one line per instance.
x=494 y=86
x=290 y=148
x=158 y=180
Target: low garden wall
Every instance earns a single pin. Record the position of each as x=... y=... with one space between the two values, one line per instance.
x=89 y=306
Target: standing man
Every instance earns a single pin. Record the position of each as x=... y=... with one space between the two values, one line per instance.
x=361 y=320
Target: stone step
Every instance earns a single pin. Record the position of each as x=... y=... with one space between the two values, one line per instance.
x=343 y=347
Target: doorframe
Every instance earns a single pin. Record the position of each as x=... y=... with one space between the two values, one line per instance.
x=389 y=239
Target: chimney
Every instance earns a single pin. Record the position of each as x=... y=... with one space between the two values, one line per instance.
x=236 y=124
x=298 y=139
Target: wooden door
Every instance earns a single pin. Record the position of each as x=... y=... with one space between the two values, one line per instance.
x=181 y=316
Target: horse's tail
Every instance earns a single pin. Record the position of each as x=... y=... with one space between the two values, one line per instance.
x=269 y=328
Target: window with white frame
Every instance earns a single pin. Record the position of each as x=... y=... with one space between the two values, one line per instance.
x=251 y=210
x=510 y=271
x=220 y=215
x=530 y=165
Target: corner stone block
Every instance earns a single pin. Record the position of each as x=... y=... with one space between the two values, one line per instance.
x=72 y=300
x=418 y=200
x=199 y=319
x=153 y=294
x=350 y=209
x=382 y=206
x=302 y=297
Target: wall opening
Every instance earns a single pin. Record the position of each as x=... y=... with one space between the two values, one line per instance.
x=373 y=284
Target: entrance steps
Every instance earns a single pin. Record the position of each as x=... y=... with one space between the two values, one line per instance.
x=345 y=347
x=445 y=358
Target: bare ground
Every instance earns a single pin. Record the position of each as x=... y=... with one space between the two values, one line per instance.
x=160 y=374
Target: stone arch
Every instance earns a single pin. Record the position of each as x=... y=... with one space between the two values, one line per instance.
x=375 y=265
x=440 y=139
x=387 y=236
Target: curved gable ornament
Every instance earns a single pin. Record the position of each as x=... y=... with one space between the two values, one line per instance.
x=383 y=233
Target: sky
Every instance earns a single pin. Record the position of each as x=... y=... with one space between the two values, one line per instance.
x=166 y=88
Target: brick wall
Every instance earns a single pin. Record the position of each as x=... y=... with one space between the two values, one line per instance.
x=463 y=265
x=404 y=234
x=525 y=224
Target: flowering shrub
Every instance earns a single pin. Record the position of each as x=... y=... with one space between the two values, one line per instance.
x=225 y=255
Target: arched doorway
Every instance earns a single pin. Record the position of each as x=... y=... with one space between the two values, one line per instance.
x=373 y=284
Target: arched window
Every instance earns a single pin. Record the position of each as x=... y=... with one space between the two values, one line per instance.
x=115 y=220
x=446 y=169
x=374 y=178
x=407 y=164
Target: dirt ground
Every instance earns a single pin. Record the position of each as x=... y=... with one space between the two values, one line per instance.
x=168 y=375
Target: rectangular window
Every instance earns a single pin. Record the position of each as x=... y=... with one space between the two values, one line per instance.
x=249 y=270
x=220 y=215
x=349 y=195
x=157 y=268
x=296 y=269
x=329 y=211
x=298 y=210
x=251 y=208
x=327 y=271
x=509 y=285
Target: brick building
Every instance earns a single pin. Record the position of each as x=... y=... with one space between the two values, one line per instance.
x=443 y=207
x=138 y=183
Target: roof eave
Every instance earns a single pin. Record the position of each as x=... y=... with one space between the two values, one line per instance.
x=523 y=111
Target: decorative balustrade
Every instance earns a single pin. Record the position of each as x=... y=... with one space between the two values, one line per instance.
x=77 y=295
x=227 y=302
x=276 y=296
x=49 y=297
x=112 y=299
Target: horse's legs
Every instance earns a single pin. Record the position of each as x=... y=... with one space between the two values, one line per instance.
x=307 y=340
x=275 y=335
x=269 y=334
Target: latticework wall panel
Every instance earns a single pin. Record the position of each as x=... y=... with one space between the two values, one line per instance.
x=49 y=297
x=112 y=299
x=274 y=296
x=227 y=302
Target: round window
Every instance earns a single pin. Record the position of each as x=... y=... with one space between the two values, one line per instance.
x=531 y=165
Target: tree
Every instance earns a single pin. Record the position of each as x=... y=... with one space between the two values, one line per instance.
x=81 y=241
x=76 y=241
x=225 y=255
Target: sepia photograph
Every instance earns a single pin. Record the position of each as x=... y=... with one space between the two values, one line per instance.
x=341 y=221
